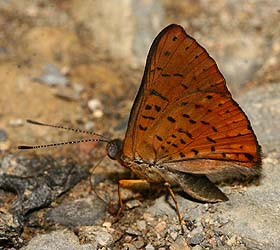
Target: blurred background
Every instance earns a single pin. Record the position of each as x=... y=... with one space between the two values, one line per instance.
x=80 y=63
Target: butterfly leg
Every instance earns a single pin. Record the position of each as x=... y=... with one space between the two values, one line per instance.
x=135 y=184
x=167 y=186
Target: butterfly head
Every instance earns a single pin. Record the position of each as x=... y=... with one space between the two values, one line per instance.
x=114 y=149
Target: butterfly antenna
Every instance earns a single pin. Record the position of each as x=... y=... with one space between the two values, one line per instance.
x=59 y=144
x=76 y=130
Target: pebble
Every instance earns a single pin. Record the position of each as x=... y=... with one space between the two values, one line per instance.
x=86 y=211
x=16 y=122
x=196 y=239
x=67 y=94
x=96 y=107
x=104 y=238
x=180 y=244
x=129 y=246
x=139 y=244
x=62 y=240
x=160 y=227
x=52 y=76
x=3 y=135
x=141 y=225
x=149 y=247
x=148 y=217
x=4 y=146
x=131 y=231
x=98 y=113
x=197 y=247
x=89 y=125
x=107 y=224
x=94 y=104
x=98 y=235
x=128 y=238
x=174 y=235
x=133 y=203
x=232 y=240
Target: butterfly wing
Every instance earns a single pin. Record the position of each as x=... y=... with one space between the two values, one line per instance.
x=183 y=115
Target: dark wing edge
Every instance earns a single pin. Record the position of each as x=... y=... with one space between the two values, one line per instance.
x=138 y=101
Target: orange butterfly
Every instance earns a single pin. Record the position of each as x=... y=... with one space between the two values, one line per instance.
x=184 y=126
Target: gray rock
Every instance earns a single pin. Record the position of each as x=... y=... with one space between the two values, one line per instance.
x=196 y=239
x=42 y=179
x=57 y=240
x=3 y=135
x=52 y=76
x=139 y=244
x=149 y=247
x=97 y=236
x=262 y=105
x=141 y=225
x=179 y=244
x=129 y=246
x=82 y=212
x=254 y=213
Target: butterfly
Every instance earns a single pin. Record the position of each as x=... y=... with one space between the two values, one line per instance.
x=184 y=128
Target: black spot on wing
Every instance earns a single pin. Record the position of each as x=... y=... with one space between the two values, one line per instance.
x=148 y=107
x=186 y=116
x=167 y=53
x=249 y=156
x=210 y=139
x=171 y=119
x=182 y=141
x=205 y=123
x=184 y=86
x=195 y=151
x=142 y=128
x=155 y=93
x=192 y=121
x=187 y=133
x=214 y=129
x=159 y=138
x=178 y=74
x=148 y=117
x=157 y=108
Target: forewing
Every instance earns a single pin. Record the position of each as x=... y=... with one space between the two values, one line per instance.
x=174 y=105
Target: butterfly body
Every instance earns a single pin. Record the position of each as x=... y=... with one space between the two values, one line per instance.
x=197 y=186
x=144 y=170
x=184 y=127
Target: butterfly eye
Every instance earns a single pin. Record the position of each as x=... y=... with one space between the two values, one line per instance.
x=114 y=149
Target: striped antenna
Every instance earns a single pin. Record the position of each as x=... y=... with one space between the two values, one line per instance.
x=58 y=144
x=76 y=130
x=102 y=139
